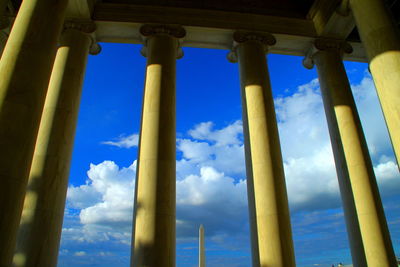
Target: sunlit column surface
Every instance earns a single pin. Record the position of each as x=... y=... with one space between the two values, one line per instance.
x=25 y=69
x=366 y=224
x=40 y=228
x=154 y=225
x=381 y=39
x=272 y=244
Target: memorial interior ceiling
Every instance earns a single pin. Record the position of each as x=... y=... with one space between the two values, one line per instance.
x=210 y=23
x=292 y=8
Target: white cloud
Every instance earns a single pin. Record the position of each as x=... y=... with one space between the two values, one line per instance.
x=116 y=186
x=226 y=136
x=308 y=160
x=196 y=154
x=372 y=119
x=124 y=141
x=80 y=253
x=195 y=151
x=221 y=149
x=311 y=181
x=106 y=203
x=111 y=216
x=211 y=198
x=198 y=190
x=389 y=177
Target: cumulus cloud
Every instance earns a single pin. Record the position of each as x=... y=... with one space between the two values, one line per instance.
x=221 y=149
x=105 y=203
x=213 y=199
x=308 y=160
x=199 y=197
x=227 y=136
x=80 y=253
x=211 y=186
x=124 y=141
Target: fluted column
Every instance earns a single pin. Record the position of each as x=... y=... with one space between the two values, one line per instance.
x=381 y=39
x=41 y=222
x=154 y=227
x=272 y=244
x=365 y=219
x=25 y=69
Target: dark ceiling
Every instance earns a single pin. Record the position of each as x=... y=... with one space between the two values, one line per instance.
x=286 y=8
x=292 y=8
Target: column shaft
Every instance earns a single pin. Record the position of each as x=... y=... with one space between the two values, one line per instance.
x=42 y=216
x=381 y=39
x=154 y=227
x=269 y=213
x=366 y=224
x=25 y=69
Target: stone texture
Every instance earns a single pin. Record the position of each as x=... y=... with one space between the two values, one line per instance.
x=153 y=236
x=381 y=39
x=271 y=234
x=41 y=222
x=25 y=69
x=366 y=224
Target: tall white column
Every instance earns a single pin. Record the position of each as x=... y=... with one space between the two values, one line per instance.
x=25 y=69
x=41 y=222
x=272 y=244
x=381 y=38
x=153 y=235
x=365 y=219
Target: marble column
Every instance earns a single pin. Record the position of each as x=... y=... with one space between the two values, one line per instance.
x=365 y=219
x=153 y=236
x=42 y=216
x=272 y=244
x=381 y=39
x=202 y=256
x=25 y=69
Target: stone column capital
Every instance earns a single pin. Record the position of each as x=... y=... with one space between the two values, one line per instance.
x=86 y=27
x=240 y=37
x=149 y=30
x=323 y=44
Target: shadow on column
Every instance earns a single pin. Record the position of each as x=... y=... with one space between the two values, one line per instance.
x=32 y=248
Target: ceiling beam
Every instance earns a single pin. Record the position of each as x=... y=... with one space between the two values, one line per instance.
x=332 y=18
x=80 y=9
x=202 y=18
x=209 y=28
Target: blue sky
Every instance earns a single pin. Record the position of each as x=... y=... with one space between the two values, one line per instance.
x=211 y=187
